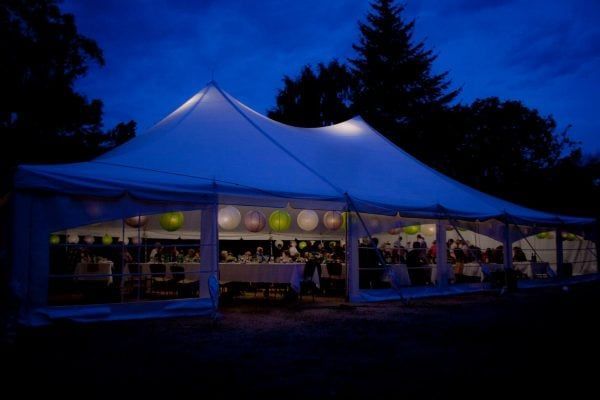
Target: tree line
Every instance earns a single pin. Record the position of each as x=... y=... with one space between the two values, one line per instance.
x=43 y=119
x=498 y=146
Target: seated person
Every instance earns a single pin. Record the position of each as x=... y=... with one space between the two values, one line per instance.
x=223 y=256
x=86 y=257
x=156 y=253
x=191 y=256
x=518 y=254
x=285 y=257
x=260 y=255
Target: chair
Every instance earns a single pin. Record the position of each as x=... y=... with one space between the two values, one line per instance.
x=158 y=279
x=136 y=283
x=334 y=270
x=180 y=285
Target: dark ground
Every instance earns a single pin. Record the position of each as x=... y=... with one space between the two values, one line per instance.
x=541 y=341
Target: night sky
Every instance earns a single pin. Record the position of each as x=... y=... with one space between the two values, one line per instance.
x=159 y=53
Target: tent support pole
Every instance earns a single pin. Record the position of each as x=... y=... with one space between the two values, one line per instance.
x=209 y=246
x=441 y=256
x=508 y=265
x=559 y=250
x=352 y=255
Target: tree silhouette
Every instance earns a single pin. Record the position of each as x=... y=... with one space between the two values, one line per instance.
x=315 y=99
x=396 y=91
x=42 y=117
x=504 y=144
x=501 y=147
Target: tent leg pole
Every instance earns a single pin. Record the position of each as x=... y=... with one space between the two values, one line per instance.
x=441 y=256
x=559 y=251
x=209 y=245
x=508 y=265
x=352 y=255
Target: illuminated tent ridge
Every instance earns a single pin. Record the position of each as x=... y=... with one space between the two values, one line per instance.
x=215 y=145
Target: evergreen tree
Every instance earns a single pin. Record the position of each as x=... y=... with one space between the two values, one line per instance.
x=396 y=91
x=315 y=99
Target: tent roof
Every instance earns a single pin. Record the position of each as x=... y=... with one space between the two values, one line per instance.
x=213 y=144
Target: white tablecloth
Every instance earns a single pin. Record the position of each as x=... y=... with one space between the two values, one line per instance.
x=473 y=269
x=265 y=273
x=529 y=268
x=95 y=272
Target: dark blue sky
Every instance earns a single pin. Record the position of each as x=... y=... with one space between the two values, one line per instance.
x=159 y=53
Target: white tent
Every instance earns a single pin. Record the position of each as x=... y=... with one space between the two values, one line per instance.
x=214 y=150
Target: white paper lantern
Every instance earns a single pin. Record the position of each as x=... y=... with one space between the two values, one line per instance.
x=279 y=244
x=229 y=218
x=88 y=239
x=308 y=220
x=136 y=222
x=429 y=230
x=333 y=220
x=255 y=221
x=72 y=239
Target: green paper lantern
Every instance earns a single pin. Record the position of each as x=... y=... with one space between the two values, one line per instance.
x=568 y=236
x=571 y=236
x=412 y=229
x=543 y=235
x=302 y=245
x=54 y=239
x=171 y=221
x=107 y=240
x=280 y=221
x=344 y=217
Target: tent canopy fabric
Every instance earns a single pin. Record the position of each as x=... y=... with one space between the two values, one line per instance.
x=215 y=145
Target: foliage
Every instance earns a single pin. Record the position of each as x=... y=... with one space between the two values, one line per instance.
x=498 y=146
x=41 y=115
x=396 y=91
x=315 y=99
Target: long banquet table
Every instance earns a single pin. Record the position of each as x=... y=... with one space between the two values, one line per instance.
x=291 y=273
x=101 y=271
x=287 y=273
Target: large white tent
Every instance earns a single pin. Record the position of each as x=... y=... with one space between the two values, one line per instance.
x=214 y=150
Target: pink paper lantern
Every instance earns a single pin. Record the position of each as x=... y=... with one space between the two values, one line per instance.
x=136 y=222
x=255 y=221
